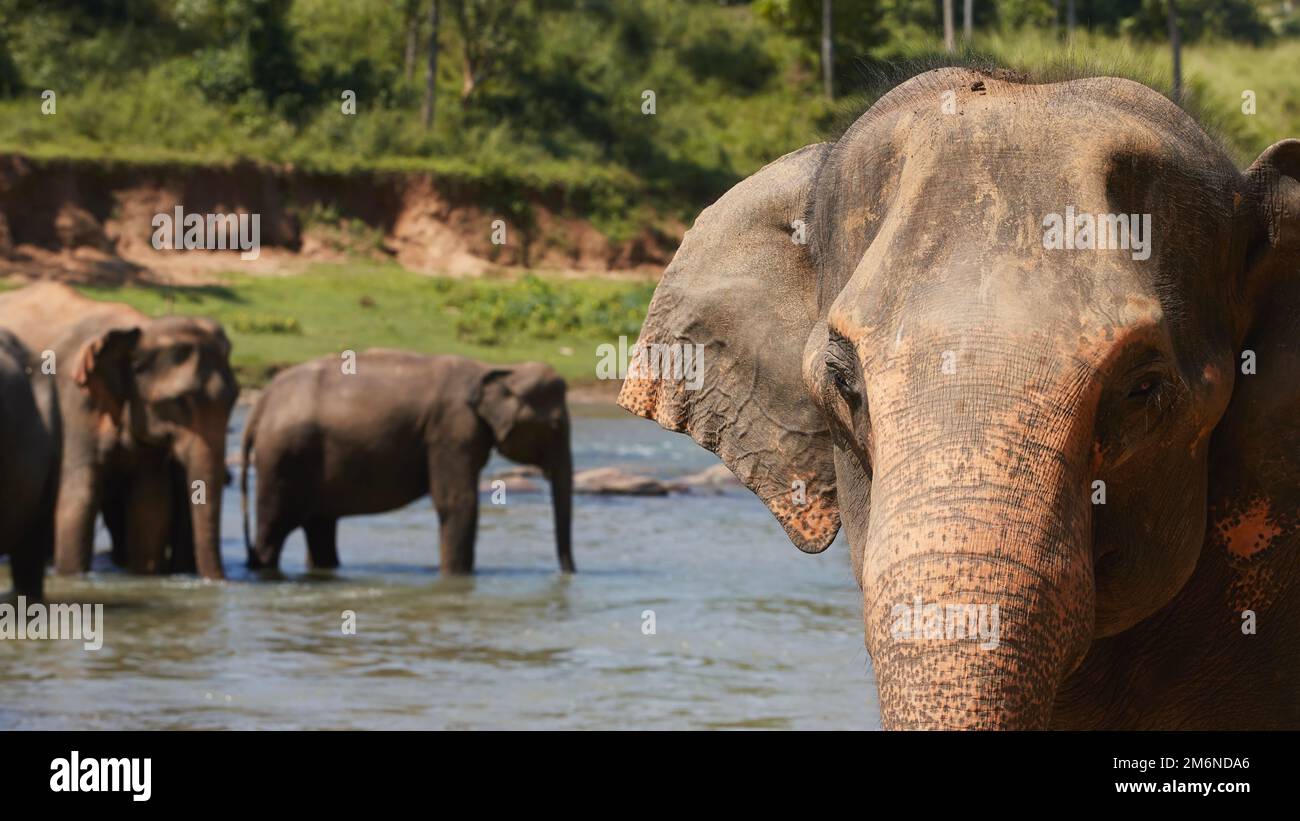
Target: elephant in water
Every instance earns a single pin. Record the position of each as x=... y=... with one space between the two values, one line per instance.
x=143 y=404
x=1083 y=431
x=331 y=440
x=29 y=465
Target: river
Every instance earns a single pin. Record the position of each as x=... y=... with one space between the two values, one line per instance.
x=748 y=632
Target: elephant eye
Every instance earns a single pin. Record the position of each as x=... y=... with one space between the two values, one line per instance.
x=1146 y=385
x=180 y=353
x=841 y=367
x=844 y=380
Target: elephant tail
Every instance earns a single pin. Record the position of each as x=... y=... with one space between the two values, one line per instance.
x=246 y=449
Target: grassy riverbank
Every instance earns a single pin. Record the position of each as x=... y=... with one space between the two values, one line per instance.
x=278 y=321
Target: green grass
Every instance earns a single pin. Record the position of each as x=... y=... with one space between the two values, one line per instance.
x=277 y=321
x=1228 y=69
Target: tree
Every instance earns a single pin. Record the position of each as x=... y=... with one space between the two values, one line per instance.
x=949 y=38
x=968 y=19
x=492 y=34
x=431 y=69
x=839 y=32
x=828 y=51
x=1175 y=43
x=412 y=9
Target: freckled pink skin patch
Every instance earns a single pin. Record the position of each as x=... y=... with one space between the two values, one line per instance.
x=1251 y=533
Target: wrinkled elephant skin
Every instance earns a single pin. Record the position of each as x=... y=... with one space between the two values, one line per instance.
x=1085 y=438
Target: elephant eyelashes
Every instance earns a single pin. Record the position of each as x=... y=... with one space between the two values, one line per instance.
x=843 y=377
x=1149 y=399
x=841 y=362
x=1146 y=386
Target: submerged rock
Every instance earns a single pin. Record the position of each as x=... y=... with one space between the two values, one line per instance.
x=717 y=478
x=513 y=484
x=614 y=481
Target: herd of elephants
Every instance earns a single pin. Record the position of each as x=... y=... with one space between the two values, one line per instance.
x=1103 y=446
x=110 y=412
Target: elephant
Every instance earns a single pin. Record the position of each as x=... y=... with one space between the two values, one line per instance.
x=334 y=438
x=1096 y=438
x=29 y=466
x=144 y=404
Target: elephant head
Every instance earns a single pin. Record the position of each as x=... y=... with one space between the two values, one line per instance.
x=524 y=407
x=962 y=389
x=168 y=383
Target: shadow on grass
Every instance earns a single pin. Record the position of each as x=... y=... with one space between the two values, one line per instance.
x=187 y=294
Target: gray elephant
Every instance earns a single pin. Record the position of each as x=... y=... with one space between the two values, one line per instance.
x=1038 y=358
x=29 y=466
x=332 y=440
x=143 y=404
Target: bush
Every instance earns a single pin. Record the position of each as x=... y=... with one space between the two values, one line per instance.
x=263 y=324
x=492 y=315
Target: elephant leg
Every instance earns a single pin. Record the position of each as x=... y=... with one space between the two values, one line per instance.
x=113 y=507
x=278 y=487
x=74 y=523
x=28 y=562
x=148 y=516
x=182 y=526
x=273 y=526
x=27 y=565
x=322 y=543
x=455 y=497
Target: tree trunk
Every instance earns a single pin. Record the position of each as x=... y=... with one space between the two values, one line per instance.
x=968 y=19
x=412 y=39
x=1175 y=43
x=431 y=70
x=949 y=38
x=828 y=52
x=1070 y=19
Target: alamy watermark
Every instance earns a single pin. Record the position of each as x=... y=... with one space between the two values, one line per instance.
x=1102 y=232
x=208 y=232
x=53 y=622
x=919 y=621
x=678 y=362
x=126 y=775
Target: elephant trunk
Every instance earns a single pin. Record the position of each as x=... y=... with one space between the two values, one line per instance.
x=203 y=455
x=978 y=576
x=560 y=473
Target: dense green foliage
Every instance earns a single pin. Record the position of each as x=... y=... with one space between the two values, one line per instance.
x=546 y=97
x=539 y=308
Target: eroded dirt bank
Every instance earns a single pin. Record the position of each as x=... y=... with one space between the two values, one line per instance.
x=94 y=222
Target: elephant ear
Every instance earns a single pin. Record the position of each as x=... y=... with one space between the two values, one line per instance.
x=1255 y=491
x=721 y=350
x=1274 y=182
x=500 y=397
x=104 y=369
x=494 y=403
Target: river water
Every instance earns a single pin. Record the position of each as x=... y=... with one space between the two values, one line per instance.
x=748 y=632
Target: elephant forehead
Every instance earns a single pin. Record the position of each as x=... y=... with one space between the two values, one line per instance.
x=1021 y=251
x=1003 y=309
x=1071 y=126
x=172 y=330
